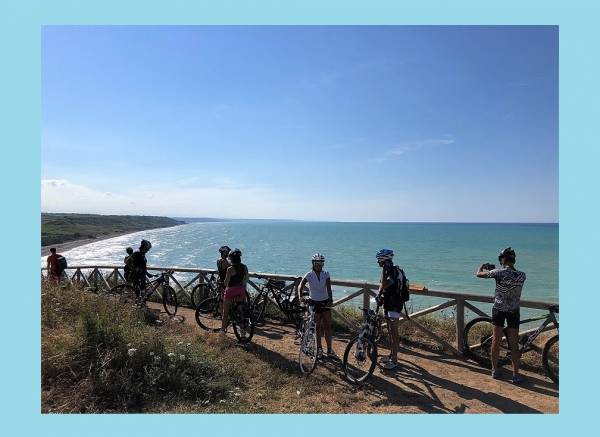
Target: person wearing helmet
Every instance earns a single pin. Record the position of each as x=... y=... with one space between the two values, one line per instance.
x=139 y=264
x=389 y=295
x=236 y=279
x=320 y=297
x=222 y=263
x=128 y=264
x=509 y=284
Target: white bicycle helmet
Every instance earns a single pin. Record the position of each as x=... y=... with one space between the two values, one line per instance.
x=318 y=258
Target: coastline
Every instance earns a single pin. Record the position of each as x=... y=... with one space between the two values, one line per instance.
x=68 y=245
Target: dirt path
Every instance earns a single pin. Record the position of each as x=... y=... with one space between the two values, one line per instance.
x=425 y=382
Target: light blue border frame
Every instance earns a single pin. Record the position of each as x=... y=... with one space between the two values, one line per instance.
x=579 y=237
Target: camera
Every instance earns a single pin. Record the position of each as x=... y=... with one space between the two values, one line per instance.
x=488 y=266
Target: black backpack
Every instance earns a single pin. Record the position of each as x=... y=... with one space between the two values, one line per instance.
x=403 y=285
x=62 y=263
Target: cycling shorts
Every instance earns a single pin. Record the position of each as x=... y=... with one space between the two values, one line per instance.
x=512 y=318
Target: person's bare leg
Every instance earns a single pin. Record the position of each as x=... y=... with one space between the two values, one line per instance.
x=225 y=314
x=319 y=321
x=326 y=319
x=497 y=335
x=515 y=354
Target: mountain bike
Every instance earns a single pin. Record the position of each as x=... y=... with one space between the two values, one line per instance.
x=360 y=356
x=211 y=288
x=478 y=342
x=209 y=315
x=284 y=297
x=308 y=355
x=132 y=293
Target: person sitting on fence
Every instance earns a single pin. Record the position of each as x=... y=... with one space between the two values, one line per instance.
x=139 y=271
x=509 y=284
x=55 y=271
x=222 y=263
x=390 y=296
x=236 y=279
x=320 y=296
x=128 y=264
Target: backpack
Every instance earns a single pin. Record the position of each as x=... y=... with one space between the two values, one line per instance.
x=62 y=263
x=404 y=286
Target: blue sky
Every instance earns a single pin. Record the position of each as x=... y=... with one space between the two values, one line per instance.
x=351 y=123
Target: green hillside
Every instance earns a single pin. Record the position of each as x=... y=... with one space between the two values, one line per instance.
x=59 y=228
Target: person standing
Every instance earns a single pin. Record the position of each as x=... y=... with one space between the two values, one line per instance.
x=139 y=271
x=390 y=295
x=52 y=264
x=236 y=279
x=320 y=297
x=222 y=263
x=507 y=298
x=128 y=264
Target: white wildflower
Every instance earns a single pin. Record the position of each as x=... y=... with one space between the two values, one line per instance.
x=171 y=354
x=151 y=354
x=131 y=352
x=182 y=357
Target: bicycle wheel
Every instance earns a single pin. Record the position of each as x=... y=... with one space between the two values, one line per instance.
x=127 y=294
x=199 y=293
x=295 y=313
x=307 y=358
x=478 y=342
x=208 y=314
x=258 y=307
x=243 y=327
x=360 y=359
x=550 y=358
x=169 y=299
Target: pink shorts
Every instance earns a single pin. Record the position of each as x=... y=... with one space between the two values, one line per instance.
x=233 y=292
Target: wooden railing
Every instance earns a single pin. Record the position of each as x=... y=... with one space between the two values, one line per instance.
x=106 y=276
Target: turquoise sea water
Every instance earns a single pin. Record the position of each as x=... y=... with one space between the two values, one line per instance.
x=440 y=256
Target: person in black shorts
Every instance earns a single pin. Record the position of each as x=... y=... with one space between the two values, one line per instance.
x=321 y=298
x=139 y=271
x=128 y=264
x=506 y=309
x=223 y=264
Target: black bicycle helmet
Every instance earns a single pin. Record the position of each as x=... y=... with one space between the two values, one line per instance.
x=235 y=255
x=224 y=249
x=129 y=250
x=507 y=254
x=145 y=245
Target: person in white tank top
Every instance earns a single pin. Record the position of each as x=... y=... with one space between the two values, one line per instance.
x=319 y=287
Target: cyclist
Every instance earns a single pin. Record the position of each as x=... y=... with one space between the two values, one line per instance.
x=139 y=264
x=509 y=284
x=236 y=279
x=389 y=295
x=320 y=297
x=128 y=263
x=222 y=263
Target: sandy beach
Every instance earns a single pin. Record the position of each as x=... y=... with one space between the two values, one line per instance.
x=68 y=245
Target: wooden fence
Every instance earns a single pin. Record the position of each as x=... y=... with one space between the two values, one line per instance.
x=106 y=276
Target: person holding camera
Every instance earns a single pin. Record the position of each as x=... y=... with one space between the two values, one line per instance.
x=509 y=284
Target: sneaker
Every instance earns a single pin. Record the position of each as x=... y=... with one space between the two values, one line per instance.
x=332 y=355
x=385 y=360
x=518 y=379
x=390 y=365
x=496 y=373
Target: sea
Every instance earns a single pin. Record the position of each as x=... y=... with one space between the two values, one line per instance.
x=441 y=256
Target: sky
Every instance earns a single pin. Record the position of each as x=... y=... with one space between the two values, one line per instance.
x=340 y=123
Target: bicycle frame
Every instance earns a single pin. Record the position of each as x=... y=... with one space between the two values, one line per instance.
x=270 y=290
x=548 y=319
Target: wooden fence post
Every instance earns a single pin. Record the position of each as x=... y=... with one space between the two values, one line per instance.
x=460 y=322
x=366 y=299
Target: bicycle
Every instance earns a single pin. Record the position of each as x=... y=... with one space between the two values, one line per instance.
x=308 y=355
x=360 y=356
x=209 y=316
x=478 y=342
x=211 y=288
x=131 y=292
x=284 y=297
